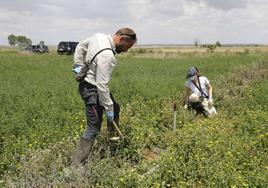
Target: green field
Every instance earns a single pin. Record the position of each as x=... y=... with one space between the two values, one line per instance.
x=42 y=117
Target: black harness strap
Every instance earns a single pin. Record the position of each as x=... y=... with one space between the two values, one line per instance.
x=98 y=54
x=91 y=61
x=199 y=88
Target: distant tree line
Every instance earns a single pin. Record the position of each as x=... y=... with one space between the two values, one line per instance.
x=197 y=44
x=21 y=41
x=210 y=47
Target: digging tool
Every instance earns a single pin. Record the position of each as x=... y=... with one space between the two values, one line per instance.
x=119 y=132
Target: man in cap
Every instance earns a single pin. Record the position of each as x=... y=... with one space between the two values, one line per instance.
x=99 y=50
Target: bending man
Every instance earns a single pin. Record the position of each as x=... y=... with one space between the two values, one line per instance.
x=98 y=52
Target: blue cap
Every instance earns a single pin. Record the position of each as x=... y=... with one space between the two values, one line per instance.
x=191 y=72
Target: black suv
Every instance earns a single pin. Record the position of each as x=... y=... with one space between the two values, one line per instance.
x=67 y=48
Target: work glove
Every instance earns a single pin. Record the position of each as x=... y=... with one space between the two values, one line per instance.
x=77 y=69
x=110 y=116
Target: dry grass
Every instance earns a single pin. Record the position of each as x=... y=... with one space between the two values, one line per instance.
x=192 y=49
x=171 y=49
x=181 y=51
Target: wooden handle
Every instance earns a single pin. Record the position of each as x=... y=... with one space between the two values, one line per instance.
x=118 y=130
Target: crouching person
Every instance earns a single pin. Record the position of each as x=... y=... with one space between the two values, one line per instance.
x=198 y=93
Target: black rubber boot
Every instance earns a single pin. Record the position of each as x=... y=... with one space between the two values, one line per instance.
x=82 y=152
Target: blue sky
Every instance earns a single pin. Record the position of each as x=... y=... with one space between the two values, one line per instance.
x=155 y=21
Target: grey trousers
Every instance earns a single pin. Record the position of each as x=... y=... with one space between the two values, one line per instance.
x=94 y=111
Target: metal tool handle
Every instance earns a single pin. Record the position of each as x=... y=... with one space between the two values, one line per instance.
x=174 y=121
x=174 y=116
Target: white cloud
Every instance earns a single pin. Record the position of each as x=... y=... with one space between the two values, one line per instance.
x=224 y=5
x=155 y=21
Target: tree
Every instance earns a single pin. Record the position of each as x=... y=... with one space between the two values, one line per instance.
x=218 y=44
x=196 y=42
x=211 y=48
x=29 y=42
x=12 y=40
x=23 y=41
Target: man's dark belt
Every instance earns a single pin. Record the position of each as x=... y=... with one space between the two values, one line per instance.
x=86 y=89
x=88 y=85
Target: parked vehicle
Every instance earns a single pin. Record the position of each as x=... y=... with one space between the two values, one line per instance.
x=67 y=48
x=37 y=48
